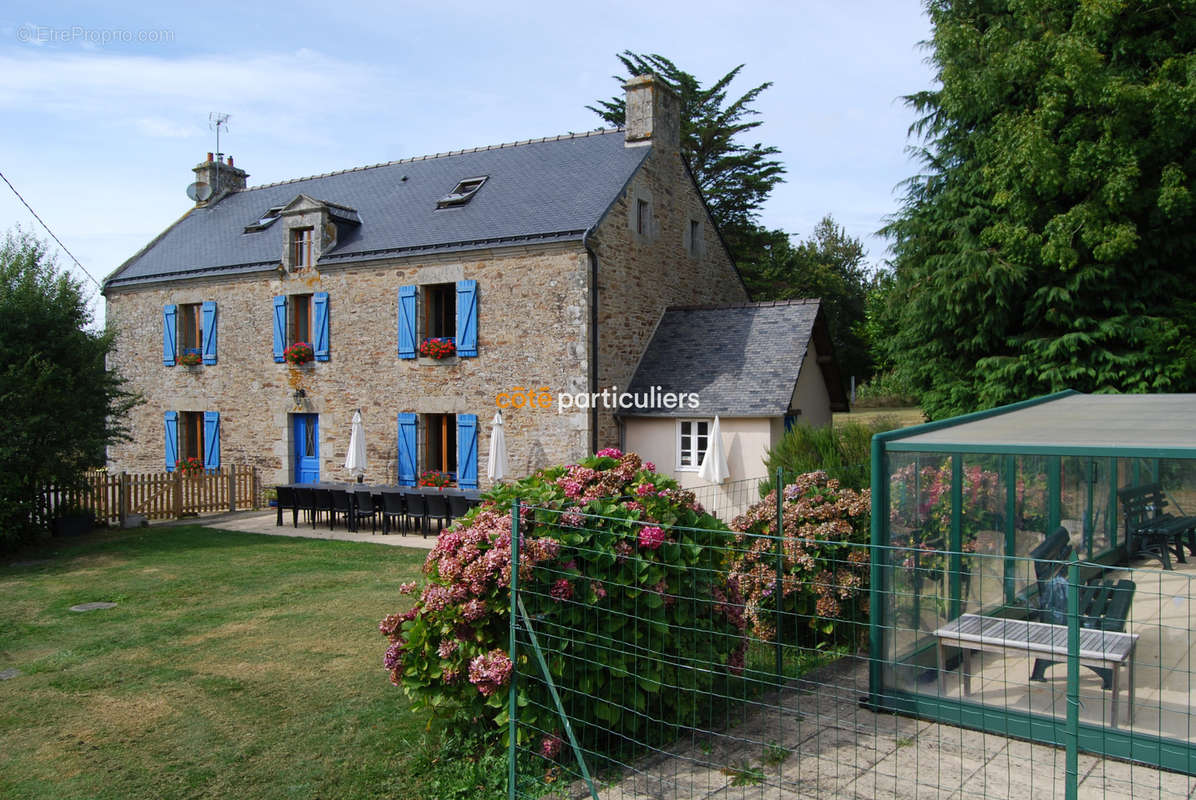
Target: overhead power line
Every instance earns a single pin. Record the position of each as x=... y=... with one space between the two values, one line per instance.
x=47 y=227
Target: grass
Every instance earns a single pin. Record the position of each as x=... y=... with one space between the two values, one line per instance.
x=234 y=665
x=904 y=417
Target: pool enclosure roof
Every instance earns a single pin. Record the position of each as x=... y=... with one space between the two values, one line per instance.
x=1067 y=423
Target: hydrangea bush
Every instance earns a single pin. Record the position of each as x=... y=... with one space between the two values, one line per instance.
x=624 y=576
x=825 y=576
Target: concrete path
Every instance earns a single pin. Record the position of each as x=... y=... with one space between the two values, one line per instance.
x=266 y=522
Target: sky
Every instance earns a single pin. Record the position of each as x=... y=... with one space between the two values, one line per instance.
x=106 y=110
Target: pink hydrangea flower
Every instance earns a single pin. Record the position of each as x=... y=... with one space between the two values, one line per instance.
x=645 y=489
x=490 y=672
x=408 y=588
x=474 y=609
x=651 y=537
x=550 y=746
x=650 y=466
x=561 y=590
x=610 y=452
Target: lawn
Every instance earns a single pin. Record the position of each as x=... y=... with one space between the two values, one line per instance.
x=233 y=666
x=903 y=416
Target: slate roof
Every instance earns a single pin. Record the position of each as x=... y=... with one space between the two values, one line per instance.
x=743 y=361
x=538 y=191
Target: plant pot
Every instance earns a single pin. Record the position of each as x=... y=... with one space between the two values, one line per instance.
x=72 y=525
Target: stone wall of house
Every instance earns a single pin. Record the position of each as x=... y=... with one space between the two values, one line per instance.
x=647 y=265
x=532 y=332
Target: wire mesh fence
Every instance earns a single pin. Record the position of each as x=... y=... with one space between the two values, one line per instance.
x=657 y=661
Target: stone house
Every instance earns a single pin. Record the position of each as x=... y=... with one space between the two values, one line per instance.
x=548 y=263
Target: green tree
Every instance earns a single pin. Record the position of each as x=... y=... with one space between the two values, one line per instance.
x=829 y=265
x=735 y=178
x=59 y=406
x=1050 y=241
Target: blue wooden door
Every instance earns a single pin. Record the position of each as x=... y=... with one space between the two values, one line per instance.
x=306 y=429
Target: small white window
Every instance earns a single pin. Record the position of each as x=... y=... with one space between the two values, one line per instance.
x=693 y=436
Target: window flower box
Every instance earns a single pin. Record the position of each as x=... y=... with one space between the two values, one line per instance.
x=438 y=348
x=435 y=479
x=189 y=466
x=299 y=353
x=191 y=357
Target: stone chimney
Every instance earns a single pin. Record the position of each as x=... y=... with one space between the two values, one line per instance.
x=220 y=175
x=653 y=113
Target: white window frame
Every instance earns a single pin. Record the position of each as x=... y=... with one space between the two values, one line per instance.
x=696 y=453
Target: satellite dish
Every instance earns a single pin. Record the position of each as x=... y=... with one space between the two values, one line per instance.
x=199 y=192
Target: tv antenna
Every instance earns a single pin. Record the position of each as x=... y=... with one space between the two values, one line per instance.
x=218 y=120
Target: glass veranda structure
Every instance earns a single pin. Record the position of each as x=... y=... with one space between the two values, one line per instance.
x=962 y=510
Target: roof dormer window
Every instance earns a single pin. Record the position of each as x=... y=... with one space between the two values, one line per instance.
x=266 y=220
x=462 y=193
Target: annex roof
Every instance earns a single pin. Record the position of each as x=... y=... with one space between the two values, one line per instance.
x=742 y=360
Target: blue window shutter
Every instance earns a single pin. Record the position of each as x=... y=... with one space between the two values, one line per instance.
x=467 y=318
x=280 y=327
x=172 y=440
x=319 y=302
x=407 y=322
x=211 y=440
x=467 y=451
x=209 y=332
x=169 y=331
x=406 y=449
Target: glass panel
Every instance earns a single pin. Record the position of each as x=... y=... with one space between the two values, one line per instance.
x=983 y=531
x=919 y=518
x=309 y=440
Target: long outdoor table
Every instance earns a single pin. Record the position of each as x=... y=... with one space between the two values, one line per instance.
x=1098 y=648
x=378 y=490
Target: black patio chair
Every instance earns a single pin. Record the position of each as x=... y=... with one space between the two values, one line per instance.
x=417 y=509
x=458 y=506
x=437 y=506
x=342 y=506
x=323 y=505
x=394 y=507
x=286 y=499
x=305 y=498
x=365 y=509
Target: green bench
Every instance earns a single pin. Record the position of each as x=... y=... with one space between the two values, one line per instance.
x=1104 y=603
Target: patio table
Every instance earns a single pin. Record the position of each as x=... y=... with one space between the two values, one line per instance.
x=1098 y=648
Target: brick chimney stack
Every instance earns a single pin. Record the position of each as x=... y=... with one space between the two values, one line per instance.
x=220 y=175
x=653 y=113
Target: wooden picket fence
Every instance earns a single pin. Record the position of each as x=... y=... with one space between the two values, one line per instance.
x=113 y=497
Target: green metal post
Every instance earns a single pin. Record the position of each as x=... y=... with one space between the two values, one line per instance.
x=1112 y=514
x=1072 y=736
x=1089 y=499
x=876 y=597
x=1054 y=493
x=780 y=587
x=1010 y=528
x=955 y=546
x=512 y=690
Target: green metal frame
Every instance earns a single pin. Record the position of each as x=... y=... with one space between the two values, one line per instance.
x=1074 y=735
